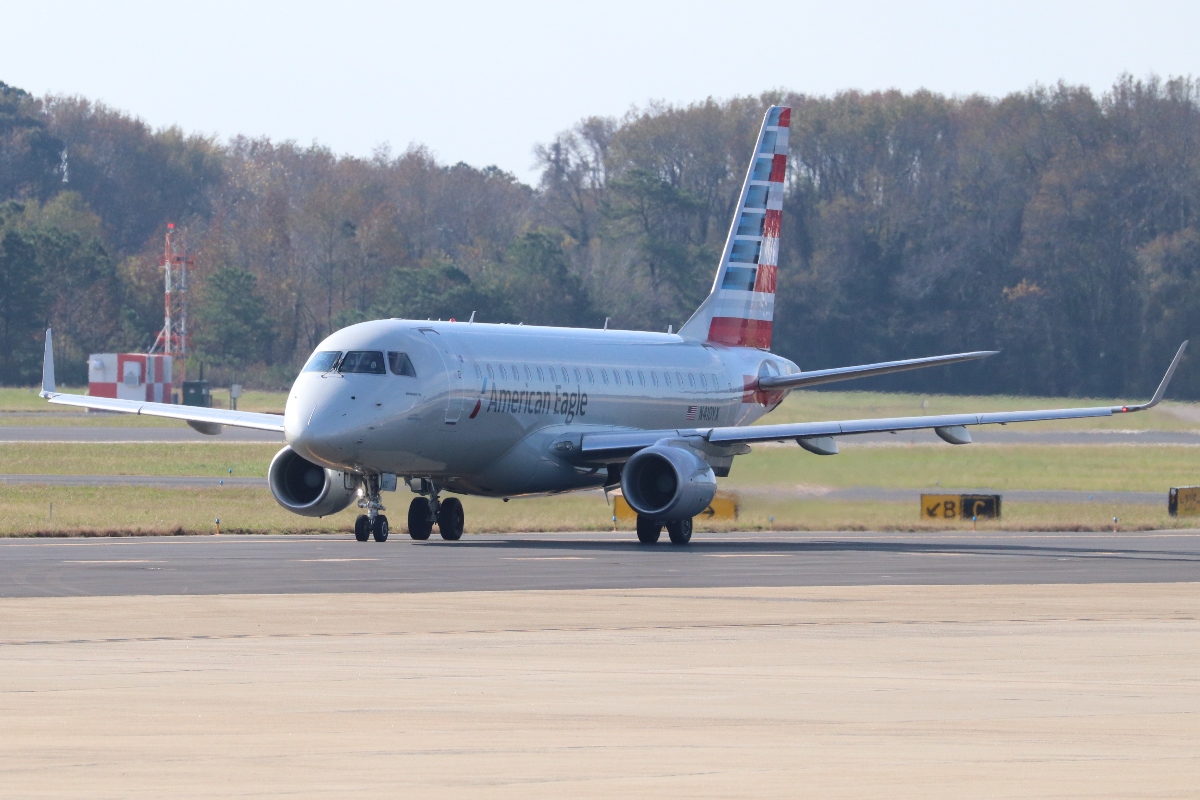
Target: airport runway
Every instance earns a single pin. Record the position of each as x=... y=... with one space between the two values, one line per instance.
x=331 y=564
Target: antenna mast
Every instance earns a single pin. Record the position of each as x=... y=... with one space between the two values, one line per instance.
x=172 y=340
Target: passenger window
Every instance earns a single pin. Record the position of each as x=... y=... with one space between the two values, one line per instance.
x=629 y=377
x=528 y=374
x=401 y=364
x=516 y=373
x=541 y=377
x=703 y=382
x=679 y=380
x=323 y=361
x=617 y=376
x=591 y=377
x=503 y=373
x=367 y=362
x=692 y=381
x=478 y=372
x=667 y=379
x=491 y=375
x=604 y=376
x=653 y=378
x=578 y=377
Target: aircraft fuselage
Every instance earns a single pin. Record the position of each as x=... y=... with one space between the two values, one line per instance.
x=487 y=403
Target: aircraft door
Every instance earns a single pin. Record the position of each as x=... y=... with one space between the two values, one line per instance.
x=453 y=363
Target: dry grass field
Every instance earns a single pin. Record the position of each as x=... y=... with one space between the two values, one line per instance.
x=780 y=487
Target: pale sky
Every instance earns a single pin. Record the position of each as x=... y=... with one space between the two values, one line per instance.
x=485 y=82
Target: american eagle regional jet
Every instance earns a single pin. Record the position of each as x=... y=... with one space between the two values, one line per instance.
x=512 y=410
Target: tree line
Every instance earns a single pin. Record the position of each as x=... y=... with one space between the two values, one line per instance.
x=1057 y=225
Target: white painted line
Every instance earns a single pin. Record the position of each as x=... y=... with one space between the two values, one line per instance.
x=115 y=561
x=747 y=555
x=546 y=558
x=328 y=560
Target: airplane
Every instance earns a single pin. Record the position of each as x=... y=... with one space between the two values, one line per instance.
x=502 y=410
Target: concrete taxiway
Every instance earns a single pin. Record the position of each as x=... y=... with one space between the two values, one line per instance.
x=338 y=564
x=855 y=691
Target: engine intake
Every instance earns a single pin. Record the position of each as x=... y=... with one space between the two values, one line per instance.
x=668 y=483
x=308 y=489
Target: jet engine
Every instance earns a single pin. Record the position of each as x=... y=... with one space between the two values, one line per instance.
x=668 y=483
x=308 y=489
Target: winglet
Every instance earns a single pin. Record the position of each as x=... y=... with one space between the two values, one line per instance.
x=1162 y=386
x=48 y=368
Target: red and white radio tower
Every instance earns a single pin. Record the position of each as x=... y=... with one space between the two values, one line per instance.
x=172 y=340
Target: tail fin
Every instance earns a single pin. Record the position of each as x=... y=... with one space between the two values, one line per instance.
x=740 y=309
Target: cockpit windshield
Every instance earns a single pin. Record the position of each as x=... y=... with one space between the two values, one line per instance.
x=322 y=361
x=401 y=365
x=369 y=362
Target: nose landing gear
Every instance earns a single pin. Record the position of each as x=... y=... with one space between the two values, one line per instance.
x=371 y=524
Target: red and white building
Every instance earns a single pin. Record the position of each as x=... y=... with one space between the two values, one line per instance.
x=130 y=376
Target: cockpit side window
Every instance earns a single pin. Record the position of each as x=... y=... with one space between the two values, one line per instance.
x=323 y=361
x=401 y=364
x=369 y=362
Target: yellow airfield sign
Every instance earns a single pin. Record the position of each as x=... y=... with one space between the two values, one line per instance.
x=1184 y=501
x=960 y=506
x=723 y=507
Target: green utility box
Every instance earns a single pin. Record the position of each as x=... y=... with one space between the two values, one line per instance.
x=197 y=393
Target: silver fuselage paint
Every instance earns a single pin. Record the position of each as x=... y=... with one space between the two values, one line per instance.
x=489 y=401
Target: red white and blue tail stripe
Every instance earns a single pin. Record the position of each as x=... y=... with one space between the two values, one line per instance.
x=741 y=307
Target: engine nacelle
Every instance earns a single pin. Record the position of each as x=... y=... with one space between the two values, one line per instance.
x=668 y=483
x=308 y=489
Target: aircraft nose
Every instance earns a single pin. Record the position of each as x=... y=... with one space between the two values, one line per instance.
x=318 y=433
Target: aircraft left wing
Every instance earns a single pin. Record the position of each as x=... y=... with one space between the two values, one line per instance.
x=205 y=420
x=950 y=427
x=817 y=377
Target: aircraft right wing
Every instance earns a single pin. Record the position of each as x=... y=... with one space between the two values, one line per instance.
x=205 y=420
x=818 y=436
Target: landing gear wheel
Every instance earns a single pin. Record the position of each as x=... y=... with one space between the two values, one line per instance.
x=450 y=519
x=680 y=532
x=648 y=531
x=362 y=527
x=379 y=528
x=419 y=525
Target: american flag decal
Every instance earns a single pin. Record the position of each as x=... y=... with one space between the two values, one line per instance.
x=740 y=311
x=692 y=412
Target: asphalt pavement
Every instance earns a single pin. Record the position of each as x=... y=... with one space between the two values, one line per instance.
x=206 y=565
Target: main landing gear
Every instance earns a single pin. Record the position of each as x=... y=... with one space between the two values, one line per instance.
x=423 y=512
x=371 y=524
x=649 y=530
